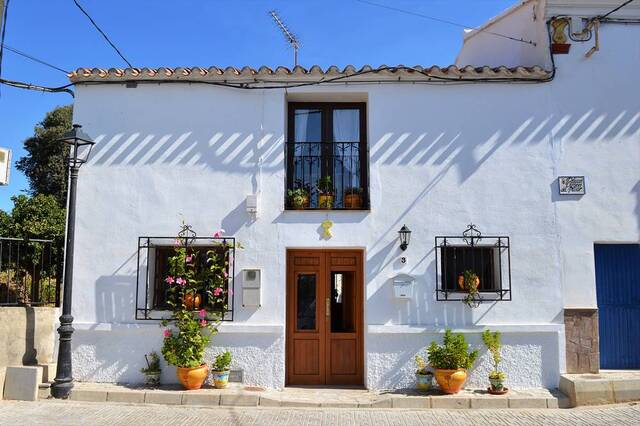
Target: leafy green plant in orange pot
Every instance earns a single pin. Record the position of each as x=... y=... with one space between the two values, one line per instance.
x=451 y=360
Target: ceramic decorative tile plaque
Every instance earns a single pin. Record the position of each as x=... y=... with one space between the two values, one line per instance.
x=571 y=185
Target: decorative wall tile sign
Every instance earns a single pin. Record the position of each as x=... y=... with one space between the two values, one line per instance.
x=571 y=185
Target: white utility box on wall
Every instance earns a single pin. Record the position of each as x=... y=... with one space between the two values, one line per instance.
x=251 y=287
x=403 y=286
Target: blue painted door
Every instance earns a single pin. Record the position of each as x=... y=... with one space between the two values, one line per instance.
x=618 y=292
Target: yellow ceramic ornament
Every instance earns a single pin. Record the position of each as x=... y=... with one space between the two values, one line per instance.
x=326 y=225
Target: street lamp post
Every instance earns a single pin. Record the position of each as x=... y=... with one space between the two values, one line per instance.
x=79 y=149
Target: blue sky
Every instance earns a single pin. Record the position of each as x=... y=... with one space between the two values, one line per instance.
x=212 y=32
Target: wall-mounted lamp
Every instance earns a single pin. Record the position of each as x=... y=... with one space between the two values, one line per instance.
x=405 y=237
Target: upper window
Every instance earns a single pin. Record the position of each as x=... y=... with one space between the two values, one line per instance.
x=327 y=156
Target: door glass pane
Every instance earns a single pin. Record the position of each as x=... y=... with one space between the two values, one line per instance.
x=342 y=302
x=306 y=302
x=308 y=125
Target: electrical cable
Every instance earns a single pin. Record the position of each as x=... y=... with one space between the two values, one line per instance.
x=30 y=86
x=613 y=11
x=4 y=31
x=444 y=21
x=33 y=58
x=103 y=34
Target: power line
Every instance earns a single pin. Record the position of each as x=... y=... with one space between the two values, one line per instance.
x=103 y=34
x=29 y=86
x=3 y=26
x=615 y=10
x=33 y=58
x=444 y=21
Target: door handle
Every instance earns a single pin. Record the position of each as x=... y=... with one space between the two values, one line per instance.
x=328 y=307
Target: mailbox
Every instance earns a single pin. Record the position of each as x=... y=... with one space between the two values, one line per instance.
x=403 y=286
x=251 y=287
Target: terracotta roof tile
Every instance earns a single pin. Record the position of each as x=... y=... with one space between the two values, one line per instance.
x=300 y=74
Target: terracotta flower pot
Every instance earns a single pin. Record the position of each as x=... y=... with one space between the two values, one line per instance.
x=325 y=201
x=191 y=301
x=461 y=281
x=451 y=381
x=302 y=205
x=352 y=201
x=192 y=378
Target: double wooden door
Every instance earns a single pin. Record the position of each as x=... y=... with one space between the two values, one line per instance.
x=324 y=317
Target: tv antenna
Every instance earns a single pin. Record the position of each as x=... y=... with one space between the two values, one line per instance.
x=288 y=35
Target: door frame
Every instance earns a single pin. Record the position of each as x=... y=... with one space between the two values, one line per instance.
x=360 y=306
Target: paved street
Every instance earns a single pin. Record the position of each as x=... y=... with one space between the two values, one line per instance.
x=86 y=413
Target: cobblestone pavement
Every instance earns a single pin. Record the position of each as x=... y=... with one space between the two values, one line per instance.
x=87 y=413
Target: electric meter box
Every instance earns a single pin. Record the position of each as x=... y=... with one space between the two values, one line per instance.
x=251 y=287
x=403 y=286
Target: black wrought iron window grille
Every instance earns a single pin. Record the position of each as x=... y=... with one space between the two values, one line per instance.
x=486 y=257
x=154 y=289
x=327 y=156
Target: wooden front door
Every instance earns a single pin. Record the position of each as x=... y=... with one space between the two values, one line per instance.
x=324 y=317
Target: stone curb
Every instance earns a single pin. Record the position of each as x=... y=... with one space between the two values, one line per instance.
x=236 y=398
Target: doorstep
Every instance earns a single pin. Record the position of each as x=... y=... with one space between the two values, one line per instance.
x=248 y=396
x=606 y=387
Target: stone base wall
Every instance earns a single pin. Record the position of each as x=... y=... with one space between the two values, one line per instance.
x=27 y=335
x=581 y=331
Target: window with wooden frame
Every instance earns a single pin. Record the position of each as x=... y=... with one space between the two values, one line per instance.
x=327 y=156
x=212 y=286
x=202 y=255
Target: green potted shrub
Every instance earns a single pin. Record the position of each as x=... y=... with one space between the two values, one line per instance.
x=220 y=370
x=496 y=378
x=353 y=198
x=451 y=360
x=325 y=192
x=152 y=370
x=298 y=197
x=424 y=377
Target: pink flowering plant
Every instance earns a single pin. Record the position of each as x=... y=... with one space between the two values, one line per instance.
x=195 y=275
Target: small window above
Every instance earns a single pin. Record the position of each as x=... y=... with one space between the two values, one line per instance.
x=473 y=268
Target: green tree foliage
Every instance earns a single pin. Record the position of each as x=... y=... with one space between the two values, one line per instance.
x=44 y=165
x=39 y=216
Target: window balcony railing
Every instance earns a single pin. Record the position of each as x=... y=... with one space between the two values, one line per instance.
x=326 y=175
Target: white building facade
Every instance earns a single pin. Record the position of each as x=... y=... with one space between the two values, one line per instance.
x=433 y=154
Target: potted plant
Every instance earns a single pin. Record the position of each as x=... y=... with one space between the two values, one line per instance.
x=451 y=360
x=152 y=370
x=470 y=282
x=353 y=198
x=496 y=378
x=220 y=370
x=424 y=377
x=298 y=198
x=325 y=192
x=184 y=345
x=190 y=332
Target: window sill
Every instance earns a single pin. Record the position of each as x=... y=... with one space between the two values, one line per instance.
x=327 y=210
